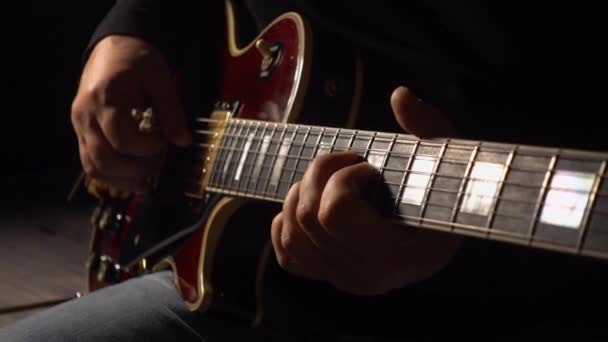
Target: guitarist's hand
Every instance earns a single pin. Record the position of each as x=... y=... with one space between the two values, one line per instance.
x=123 y=73
x=327 y=231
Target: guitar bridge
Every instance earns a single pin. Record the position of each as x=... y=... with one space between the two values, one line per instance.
x=206 y=148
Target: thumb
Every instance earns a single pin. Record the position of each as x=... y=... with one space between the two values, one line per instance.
x=170 y=113
x=418 y=118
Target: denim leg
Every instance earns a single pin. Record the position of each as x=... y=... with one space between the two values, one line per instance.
x=142 y=309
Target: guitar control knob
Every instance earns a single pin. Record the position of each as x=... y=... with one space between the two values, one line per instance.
x=108 y=271
x=111 y=220
x=271 y=56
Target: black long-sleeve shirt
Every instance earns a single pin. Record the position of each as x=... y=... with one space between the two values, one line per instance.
x=511 y=71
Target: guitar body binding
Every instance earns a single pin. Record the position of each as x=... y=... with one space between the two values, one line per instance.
x=220 y=266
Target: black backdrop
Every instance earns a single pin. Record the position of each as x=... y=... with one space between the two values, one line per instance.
x=42 y=47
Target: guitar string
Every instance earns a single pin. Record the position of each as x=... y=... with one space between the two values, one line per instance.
x=501 y=198
x=503 y=230
x=317 y=146
x=438 y=142
x=388 y=155
x=401 y=139
x=404 y=186
x=414 y=172
x=385 y=154
x=494 y=230
x=451 y=146
x=429 y=189
x=417 y=218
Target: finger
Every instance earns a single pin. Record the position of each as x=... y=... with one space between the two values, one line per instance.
x=349 y=218
x=113 y=117
x=165 y=101
x=313 y=184
x=298 y=254
x=276 y=230
x=419 y=118
x=121 y=131
x=127 y=184
x=109 y=163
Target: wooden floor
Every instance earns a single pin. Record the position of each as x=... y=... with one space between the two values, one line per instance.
x=42 y=253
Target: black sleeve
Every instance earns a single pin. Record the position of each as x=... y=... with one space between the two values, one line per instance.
x=173 y=26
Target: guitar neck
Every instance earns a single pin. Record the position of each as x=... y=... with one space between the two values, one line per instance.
x=537 y=196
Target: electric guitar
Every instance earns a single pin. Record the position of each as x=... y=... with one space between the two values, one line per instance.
x=282 y=103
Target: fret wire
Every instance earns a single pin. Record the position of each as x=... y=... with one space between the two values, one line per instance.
x=406 y=172
x=427 y=193
x=299 y=157
x=274 y=158
x=446 y=160
x=369 y=146
x=236 y=156
x=541 y=196
x=434 y=204
x=382 y=167
x=386 y=153
x=229 y=154
x=449 y=191
x=256 y=155
x=334 y=140
x=276 y=190
x=427 y=143
x=315 y=148
x=412 y=139
x=455 y=146
x=248 y=154
x=262 y=156
x=248 y=168
x=380 y=177
x=501 y=184
x=439 y=175
x=228 y=177
x=217 y=167
x=461 y=189
x=221 y=156
x=373 y=150
x=351 y=140
x=266 y=154
x=585 y=223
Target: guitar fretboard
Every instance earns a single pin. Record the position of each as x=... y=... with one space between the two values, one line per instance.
x=541 y=196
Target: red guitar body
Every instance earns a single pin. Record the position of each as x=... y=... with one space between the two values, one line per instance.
x=217 y=246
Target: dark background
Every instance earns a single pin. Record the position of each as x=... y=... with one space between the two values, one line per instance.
x=42 y=47
x=43 y=239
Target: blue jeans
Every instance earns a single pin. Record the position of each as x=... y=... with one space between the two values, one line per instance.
x=149 y=308
x=142 y=309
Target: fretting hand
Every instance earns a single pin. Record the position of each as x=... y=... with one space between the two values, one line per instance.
x=327 y=230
